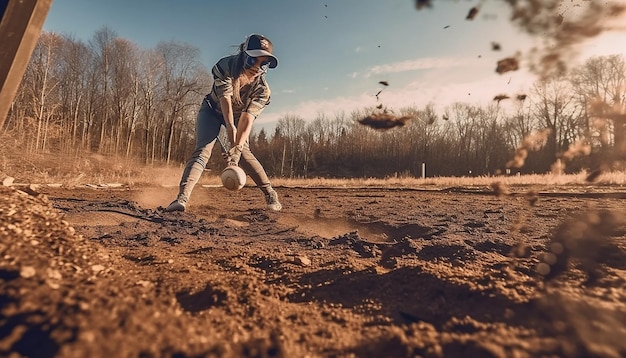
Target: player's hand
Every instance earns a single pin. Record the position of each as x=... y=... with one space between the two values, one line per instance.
x=234 y=155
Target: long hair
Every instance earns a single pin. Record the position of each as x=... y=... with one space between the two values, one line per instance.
x=239 y=72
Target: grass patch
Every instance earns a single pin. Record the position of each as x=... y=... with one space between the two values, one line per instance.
x=98 y=169
x=612 y=179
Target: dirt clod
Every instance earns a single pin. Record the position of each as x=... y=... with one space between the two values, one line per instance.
x=104 y=272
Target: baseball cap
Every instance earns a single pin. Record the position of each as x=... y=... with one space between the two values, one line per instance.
x=258 y=45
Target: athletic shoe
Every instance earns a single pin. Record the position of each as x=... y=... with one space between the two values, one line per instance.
x=176 y=205
x=271 y=198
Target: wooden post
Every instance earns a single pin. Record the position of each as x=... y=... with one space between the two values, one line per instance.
x=20 y=25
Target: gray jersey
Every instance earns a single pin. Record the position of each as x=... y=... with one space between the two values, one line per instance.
x=255 y=96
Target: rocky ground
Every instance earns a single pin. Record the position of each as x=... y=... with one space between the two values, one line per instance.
x=340 y=272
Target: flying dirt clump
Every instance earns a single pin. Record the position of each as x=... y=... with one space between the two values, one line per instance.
x=500 y=189
x=586 y=239
x=577 y=149
x=420 y=4
x=507 y=64
x=532 y=142
x=500 y=97
x=561 y=24
x=384 y=120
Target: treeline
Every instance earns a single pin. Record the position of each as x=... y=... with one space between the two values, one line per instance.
x=111 y=97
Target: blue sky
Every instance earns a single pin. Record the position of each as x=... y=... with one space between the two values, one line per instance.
x=333 y=53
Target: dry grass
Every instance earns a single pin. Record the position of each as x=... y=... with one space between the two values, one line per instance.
x=615 y=179
x=84 y=169
x=99 y=170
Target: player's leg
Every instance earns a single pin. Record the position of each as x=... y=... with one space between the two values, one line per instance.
x=257 y=173
x=207 y=128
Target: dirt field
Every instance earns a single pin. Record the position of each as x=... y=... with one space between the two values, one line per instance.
x=340 y=272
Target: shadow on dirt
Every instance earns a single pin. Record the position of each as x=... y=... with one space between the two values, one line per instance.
x=405 y=295
x=202 y=300
x=374 y=232
x=35 y=339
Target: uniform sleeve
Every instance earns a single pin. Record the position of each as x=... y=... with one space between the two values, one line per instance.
x=222 y=79
x=259 y=99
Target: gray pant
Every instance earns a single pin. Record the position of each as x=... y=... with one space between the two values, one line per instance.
x=208 y=124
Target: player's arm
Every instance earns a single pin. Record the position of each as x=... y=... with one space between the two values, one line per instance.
x=244 y=127
x=259 y=100
x=226 y=107
x=223 y=89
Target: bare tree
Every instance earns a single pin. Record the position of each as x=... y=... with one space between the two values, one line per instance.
x=319 y=130
x=41 y=81
x=556 y=109
x=124 y=93
x=520 y=123
x=292 y=128
x=424 y=132
x=463 y=118
x=601 y=84
x=180 y=78
x=149 y=101
x=102 y=48
x=74 y=59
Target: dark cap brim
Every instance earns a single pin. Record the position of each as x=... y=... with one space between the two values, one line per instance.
x=259 y=53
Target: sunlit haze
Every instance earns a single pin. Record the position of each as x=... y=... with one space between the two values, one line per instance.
x=334 y=53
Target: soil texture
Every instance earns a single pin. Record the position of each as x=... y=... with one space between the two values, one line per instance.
x=339 y=272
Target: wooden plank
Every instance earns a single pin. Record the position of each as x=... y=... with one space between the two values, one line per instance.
x=20 y=25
